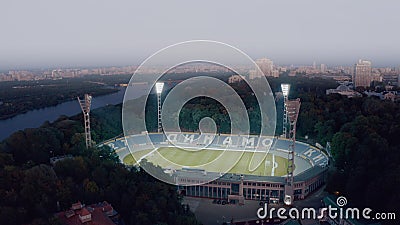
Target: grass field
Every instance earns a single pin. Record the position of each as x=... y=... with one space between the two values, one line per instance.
x=129 y=160
x=270 y=165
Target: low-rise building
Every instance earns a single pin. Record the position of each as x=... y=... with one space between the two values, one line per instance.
x=344 y=90
x=100 y=214
x=235 y=79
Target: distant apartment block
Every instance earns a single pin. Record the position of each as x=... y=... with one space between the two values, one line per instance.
x=323 y=68
x=267 y=69
x=363 y=75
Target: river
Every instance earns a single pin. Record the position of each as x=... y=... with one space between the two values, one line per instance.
x=35 y=118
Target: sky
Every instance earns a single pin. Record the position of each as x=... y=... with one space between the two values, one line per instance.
x=82 y=33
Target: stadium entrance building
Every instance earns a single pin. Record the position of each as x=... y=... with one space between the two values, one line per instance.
x=234 y=187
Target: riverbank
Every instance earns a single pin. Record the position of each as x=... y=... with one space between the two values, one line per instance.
x=23 y=96
x=35 y=118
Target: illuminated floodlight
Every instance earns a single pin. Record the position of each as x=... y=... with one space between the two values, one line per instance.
x=285 y=89
x=159 y=87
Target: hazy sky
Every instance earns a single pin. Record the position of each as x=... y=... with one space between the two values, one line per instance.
x=52 y=33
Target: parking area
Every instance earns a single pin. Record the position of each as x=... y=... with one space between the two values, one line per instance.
x=211 y=212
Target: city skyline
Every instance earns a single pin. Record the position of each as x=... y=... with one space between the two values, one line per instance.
x=266 y=65
x=325 y=65
x=46 y=34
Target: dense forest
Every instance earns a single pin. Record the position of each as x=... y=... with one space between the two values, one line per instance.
x=32 y=190
x=18 y=97
x=200 y=107
x=363 y=136
x=362 y=133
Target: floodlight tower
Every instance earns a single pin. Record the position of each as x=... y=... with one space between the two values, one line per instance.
x=292 y=108
x=285 y=91
x=159 y=88
x=85 y=106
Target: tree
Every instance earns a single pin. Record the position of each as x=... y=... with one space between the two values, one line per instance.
x=38 y=189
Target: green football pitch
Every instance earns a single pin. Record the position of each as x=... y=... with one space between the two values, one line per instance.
x=214 y=160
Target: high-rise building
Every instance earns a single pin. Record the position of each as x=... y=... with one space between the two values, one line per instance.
x=323 y=68
x=266 y=66
x=362 y=74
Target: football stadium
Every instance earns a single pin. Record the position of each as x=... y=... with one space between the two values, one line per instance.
x=255 y=174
